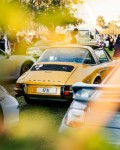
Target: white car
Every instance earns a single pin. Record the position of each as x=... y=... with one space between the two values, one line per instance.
x=9 y=108
x=13 y=66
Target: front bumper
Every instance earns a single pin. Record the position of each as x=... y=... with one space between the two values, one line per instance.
x=30 y=92
x=45 y=98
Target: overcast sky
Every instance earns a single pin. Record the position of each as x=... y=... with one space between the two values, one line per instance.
x=110 y=9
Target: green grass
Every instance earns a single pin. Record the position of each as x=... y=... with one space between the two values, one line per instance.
x=110 y=52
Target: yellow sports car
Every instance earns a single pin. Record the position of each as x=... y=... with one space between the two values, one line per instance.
x=60 y=67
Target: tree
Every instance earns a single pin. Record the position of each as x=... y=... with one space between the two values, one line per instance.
x=44 y=3
x=113 y=29
x=100 y=21
x=52 y=13
x=56 y=16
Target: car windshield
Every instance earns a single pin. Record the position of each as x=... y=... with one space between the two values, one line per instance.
x=76 y=55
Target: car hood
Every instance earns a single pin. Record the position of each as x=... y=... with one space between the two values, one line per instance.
x=50 y=73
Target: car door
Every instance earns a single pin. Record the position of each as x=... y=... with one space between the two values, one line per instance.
x=104 y=62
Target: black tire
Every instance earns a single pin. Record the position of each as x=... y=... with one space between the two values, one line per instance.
x=26 y=66
x=27 y=100
x=97 y=81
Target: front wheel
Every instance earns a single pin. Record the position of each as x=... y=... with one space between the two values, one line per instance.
x=25 y=67
x=27 y=100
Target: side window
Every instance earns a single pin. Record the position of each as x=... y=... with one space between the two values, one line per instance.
x=89 y=59
x=101 y=56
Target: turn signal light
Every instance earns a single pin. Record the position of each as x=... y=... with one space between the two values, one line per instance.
x=75 y=124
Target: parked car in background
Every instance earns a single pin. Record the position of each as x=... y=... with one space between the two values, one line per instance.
x=84 y=35
x=82 y=112
x=59 y=68
x=13 y=66
x=9 y=108
x=36 y=51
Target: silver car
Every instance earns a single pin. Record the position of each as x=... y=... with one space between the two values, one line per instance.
x=81 y=112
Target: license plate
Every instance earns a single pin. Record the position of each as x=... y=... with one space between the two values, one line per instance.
x=47 y=90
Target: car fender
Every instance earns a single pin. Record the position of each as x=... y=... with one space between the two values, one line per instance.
x=26 y=59
x=20 y=60
x=95 y=77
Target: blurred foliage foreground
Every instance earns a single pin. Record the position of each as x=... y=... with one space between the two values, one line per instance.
x=39 y=131
x=18 y=16
x=34 y=131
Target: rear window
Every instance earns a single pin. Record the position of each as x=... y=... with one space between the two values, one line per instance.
x=75 y=55
x=52 y=67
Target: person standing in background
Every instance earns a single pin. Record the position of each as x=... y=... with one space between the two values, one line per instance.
x=111 y=43
x=74 y=34
x=21 y=46
x=12 y=38
x=117 y=47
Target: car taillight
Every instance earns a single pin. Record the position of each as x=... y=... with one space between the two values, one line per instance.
x=20 y=88
x=18 y=85
x=66 y=93
x=75 y=118
x=67 y=90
